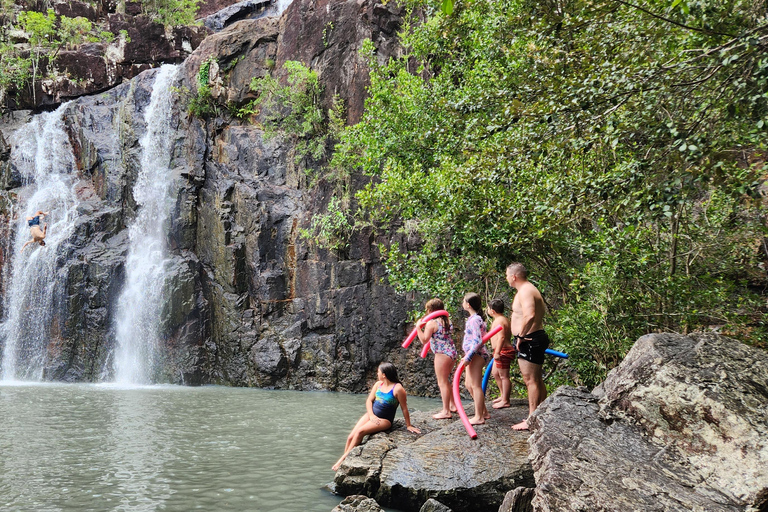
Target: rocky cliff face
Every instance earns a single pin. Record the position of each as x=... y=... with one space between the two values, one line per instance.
x=249 y=302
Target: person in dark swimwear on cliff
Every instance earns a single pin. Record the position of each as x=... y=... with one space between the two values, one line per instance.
x=526 y=322
x=38 y=235
x=382 y=404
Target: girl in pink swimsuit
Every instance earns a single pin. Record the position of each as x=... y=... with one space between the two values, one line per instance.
x=438 y=333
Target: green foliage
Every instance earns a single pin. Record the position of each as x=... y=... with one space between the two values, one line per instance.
x=327 y=33
x=295 y=111
x=172 y=12
x=615 y=149
x=202 y=103
x=73 y=31
x=332 y=229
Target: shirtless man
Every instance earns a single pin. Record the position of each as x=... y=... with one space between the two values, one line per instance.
x=503 y=353
x=526 y=322
x=38 y=235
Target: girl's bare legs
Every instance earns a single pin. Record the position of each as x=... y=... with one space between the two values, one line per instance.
x=475 y=379
x=443 y=367
x=363 y=428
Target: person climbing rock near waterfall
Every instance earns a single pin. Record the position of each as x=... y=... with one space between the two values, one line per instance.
x=382 y=404
x=37 y=234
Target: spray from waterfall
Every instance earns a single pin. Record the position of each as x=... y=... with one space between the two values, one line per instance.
x=42 y=154
x=138 y=314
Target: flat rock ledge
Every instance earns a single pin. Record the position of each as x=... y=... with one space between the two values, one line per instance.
x=680 y=425
x=442 y=465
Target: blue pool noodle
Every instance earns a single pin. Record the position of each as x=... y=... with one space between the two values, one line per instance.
x=487 y=375
x=490 y=366
x=556 y=353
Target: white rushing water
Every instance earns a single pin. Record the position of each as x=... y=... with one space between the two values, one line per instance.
x=42 y=154
x=140 y=303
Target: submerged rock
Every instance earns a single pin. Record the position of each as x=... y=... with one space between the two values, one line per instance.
x=680 y=424
x=358 y=503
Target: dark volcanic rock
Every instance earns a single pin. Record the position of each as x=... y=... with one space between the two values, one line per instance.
x=680 y=424
x=432 y=505
x=403 y=470
x=235 y=12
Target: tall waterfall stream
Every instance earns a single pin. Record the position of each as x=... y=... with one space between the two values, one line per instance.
x=44 y=158
x=138 y=314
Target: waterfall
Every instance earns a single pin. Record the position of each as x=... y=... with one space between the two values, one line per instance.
x=43 y=155
x=138 y=314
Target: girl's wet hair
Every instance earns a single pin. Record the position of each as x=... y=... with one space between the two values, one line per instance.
x=389 y=371
x=436 y=304
x=475 y=302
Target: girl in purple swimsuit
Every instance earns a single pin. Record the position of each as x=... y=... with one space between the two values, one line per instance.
x=438 y=333
x=382 y=404
x=475 y=355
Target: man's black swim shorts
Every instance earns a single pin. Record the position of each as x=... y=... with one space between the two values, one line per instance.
x=532 y=346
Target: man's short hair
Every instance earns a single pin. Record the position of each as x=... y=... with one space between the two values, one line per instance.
x=517 y=269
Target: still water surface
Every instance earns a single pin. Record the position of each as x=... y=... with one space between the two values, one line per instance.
x=104 y=448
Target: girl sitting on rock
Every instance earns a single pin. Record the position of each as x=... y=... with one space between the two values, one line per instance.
x=438 y=333
x=382 y=404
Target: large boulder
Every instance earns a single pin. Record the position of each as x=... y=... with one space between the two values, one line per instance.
x=680 y=424
x=404 y=471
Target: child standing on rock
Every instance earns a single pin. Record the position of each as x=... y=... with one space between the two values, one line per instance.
x=503 y=353
x=473 y=347
x=438 y=333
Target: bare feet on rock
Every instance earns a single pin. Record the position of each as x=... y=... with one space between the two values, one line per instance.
x=523 y=425
x=500 y=405
x=476 y=421
x=442 y=415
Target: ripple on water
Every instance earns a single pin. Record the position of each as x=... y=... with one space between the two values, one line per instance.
x=172 y=448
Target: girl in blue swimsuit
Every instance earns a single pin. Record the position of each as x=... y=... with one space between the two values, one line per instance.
x=382 y=404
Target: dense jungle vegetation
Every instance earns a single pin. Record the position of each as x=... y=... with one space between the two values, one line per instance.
x=615 y=148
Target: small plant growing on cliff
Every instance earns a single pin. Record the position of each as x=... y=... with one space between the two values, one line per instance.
x=330 y=230
x=327 y=33
x=294 y=110
x=172 y=12
x=202 y=103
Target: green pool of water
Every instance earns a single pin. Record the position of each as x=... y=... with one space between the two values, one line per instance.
x=167 y=448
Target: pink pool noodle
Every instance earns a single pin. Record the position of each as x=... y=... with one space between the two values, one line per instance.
x=457 y=401
x=424 y=320
x=492 y=333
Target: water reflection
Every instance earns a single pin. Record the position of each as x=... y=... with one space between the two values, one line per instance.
x=98 y=448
